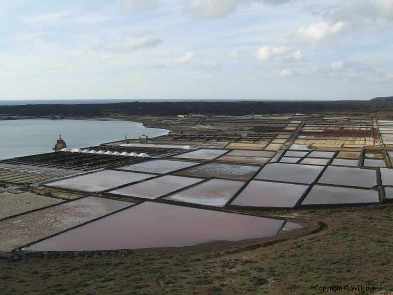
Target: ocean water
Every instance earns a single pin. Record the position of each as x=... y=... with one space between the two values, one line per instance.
x=26 y=137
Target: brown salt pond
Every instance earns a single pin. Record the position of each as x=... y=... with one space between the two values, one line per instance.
x=13 y=204
x=157 y=225
x=349 y=155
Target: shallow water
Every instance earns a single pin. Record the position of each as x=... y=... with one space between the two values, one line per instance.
x=221 y=170
x=157 y=187
x=270 y=194
x=290 y=173
x=215 y=192
x=329 y=195
x=203 y=154
x=346 y=176
x=315 y=161
x=159 y=166
x=289 y=160
x=100 y=181
x=35 y=136
x=152 y=225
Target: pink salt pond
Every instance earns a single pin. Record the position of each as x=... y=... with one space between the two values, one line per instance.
x=158 y=225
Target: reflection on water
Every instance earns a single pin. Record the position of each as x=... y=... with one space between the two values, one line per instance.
x=214 y=192
x=152 y=225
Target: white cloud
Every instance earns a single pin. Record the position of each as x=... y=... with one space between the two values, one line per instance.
x=360 y=13
x=221 y=8
x=337 y=65
x=355 y=69
x=234 y=54
x=267 y=53
x=48 y=18
x=320 y=30
x=59 y=17
x=185 y=59
x=286 y=73
x=213 y=8
x=132 y=44
x=140 y=4
x=145 y=42
x=297 y=55
x=384 y=8
x=389 y=77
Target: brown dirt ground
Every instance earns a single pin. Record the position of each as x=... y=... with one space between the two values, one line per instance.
x=353 y=249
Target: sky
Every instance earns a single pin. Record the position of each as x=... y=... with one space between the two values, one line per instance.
x=196 y=49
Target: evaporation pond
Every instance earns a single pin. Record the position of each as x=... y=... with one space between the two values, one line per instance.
x=99 y=181
x=159 y=166
x=214 y=192
x=389 y=193
x=315 y=161
x=334 y=195
x=374 y=163
x=244 y=160
x=318 y=154
x=222 y=170
x=387 y=176
x=157 y=187
x=349 y=155
x=203 y=154
x=11 y=204
x=270 y=194
x=249 y=153
x=20 y=230
x=157 y=225
x=348 y=176
x=289 y=160
x=302 y=147
x=290 y=173
x=295 y=154
x=345 y=162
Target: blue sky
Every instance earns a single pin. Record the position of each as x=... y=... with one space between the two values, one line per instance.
x=196 y=49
